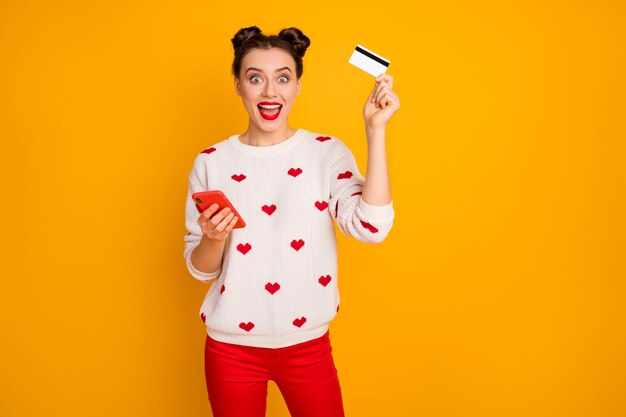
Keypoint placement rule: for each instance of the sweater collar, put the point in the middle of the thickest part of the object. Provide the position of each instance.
(267, 150)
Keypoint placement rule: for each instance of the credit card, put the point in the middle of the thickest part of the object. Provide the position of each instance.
(369, 61)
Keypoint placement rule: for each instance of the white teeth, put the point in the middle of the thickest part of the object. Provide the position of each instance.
(273, 106)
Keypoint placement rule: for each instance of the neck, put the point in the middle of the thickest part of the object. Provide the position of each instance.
(256, 137)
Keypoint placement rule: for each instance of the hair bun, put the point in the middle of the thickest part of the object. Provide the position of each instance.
(298, 40)
(243, 35)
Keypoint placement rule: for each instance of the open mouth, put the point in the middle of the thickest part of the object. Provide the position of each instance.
(269, 111)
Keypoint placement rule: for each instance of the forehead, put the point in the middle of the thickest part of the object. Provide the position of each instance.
(267, 59)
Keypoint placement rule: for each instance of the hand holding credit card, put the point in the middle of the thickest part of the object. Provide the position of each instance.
(369, 61)
(382, 102)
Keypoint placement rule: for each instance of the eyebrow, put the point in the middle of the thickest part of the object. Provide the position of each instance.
(259, 70)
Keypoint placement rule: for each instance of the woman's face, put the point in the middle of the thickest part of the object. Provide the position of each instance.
(268, 78)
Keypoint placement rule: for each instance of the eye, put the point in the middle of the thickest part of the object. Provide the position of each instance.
(252, 79)
(283, 77)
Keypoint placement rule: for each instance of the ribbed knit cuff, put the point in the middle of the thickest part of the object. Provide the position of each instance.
(376, 213)
(202, 276)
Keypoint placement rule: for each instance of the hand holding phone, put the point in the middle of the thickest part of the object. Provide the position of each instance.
(205, 199)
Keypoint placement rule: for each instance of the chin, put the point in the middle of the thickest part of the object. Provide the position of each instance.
(273, 128)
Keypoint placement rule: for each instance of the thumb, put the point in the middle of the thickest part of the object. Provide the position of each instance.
(369, 98)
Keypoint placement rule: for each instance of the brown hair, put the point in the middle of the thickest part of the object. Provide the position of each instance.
(292, 40)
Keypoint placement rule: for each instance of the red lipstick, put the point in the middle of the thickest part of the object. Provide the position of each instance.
(267, 109)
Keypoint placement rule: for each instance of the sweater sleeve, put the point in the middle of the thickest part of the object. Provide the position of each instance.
(196, 178)
(354, 217)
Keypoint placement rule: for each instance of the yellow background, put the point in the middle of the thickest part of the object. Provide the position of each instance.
(500, 290)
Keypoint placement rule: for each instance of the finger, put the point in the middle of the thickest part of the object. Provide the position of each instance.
(206, 228)
(389, 91)
(376, 91)
(381, 93)
(225, 211)
(381, 81)
(382, 85)
(383, 100)
(388, 100)
(215, 220)
(209, 211)
(379, 85)
(232, 224)
(222, 225)
(385, 77)
(372, 94)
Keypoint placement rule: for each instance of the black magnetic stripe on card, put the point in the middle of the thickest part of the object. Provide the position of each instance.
(371, 56)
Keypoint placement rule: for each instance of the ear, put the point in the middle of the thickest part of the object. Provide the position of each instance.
(298, 86)
(237, 86)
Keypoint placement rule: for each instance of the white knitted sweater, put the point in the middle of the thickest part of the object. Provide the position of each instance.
(277, 285)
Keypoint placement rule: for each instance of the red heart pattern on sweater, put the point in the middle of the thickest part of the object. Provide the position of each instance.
(297, 244)
(324, 280)
(369, 227)
(246, 326)
(269, 209)
(244, 248)
(272, 288)
(294, 172)
(321, 205)
(299, 322)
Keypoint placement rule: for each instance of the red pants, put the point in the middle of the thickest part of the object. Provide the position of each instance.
(237, 376)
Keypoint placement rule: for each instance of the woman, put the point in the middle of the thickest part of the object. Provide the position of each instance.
(274, 281)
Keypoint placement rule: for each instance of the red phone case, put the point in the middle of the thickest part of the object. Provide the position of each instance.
(204, 199)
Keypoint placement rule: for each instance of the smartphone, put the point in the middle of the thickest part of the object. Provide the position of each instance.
(204, 199)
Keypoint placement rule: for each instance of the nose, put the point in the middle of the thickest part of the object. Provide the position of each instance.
(269, 89)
